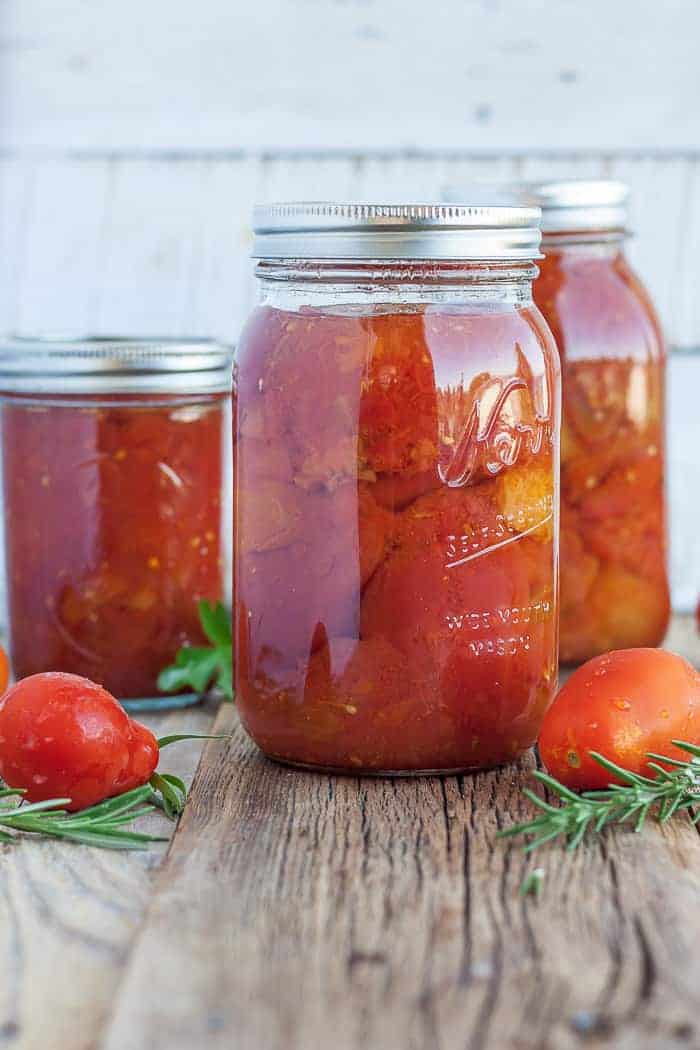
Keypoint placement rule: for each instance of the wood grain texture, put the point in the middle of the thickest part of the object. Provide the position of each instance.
(68, 916)
(300, 911)
(360, 74)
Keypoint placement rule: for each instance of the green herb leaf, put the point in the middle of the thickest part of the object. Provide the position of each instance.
(201, 667)
(216, 623)
(98, 825)
(102, 824)
(664, 794)
(171, 792)
(174, 738)
(532, 883)
(225, 681)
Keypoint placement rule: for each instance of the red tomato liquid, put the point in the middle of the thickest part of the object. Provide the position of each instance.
(112, 533)
(614, 586)
(396, 505)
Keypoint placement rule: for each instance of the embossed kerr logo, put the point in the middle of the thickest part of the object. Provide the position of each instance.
(500, 426)
(495, 433)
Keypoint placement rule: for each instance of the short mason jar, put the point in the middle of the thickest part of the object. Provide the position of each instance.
(396, 495)
(614, 582)
(115, 455)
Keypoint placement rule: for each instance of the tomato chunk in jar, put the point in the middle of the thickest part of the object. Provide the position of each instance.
(614, 584)
(113, 530)
(395, 529)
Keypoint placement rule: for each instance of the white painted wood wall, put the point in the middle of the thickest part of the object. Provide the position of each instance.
(160, 244)
(136, 135)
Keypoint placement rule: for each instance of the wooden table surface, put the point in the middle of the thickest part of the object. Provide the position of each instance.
(294, 911)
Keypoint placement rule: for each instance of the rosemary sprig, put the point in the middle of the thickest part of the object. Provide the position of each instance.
(100, 825)
(663, 794)
(170, 792)
(532, 883)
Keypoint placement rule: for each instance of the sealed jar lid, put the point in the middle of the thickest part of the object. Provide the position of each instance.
(325, 230)
(113, 364)
(578, 205)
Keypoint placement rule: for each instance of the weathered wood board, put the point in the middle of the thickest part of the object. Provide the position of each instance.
(302, 911)
(297, 911)
(69, 915)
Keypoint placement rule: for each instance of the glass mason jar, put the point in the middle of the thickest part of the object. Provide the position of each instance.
(614, 585)
(114, 456)
(396, 501)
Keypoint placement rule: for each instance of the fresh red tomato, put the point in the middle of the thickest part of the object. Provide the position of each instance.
(4, 670)
(62, 736)
(622, 704)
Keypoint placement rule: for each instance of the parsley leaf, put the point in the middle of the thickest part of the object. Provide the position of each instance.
(201, 667)
(216, 623)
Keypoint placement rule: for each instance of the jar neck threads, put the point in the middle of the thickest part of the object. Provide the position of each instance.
(401, 282)
(599, 242)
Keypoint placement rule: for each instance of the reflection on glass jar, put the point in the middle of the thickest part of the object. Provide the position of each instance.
(396, 495)
(614, 586)
(114, 485)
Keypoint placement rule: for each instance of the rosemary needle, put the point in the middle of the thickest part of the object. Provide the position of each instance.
(532, 883)
(99, 825)
(638, 797)
(102, 824)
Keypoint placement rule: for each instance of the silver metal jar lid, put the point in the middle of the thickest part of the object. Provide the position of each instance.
(325, 230)
(113, 364)
(578, 205)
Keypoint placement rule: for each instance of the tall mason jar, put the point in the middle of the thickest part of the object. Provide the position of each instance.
(396, 496)
(115, 462)
(614, 584)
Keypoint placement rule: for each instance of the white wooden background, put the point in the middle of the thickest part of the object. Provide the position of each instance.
(136, 135)
(352, 74)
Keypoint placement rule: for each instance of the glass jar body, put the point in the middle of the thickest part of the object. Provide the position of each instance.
(395, 525)
(114, 514)
(614, 586)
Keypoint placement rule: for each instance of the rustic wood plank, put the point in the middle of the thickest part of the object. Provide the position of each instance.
(68, 915)
(299, 911)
